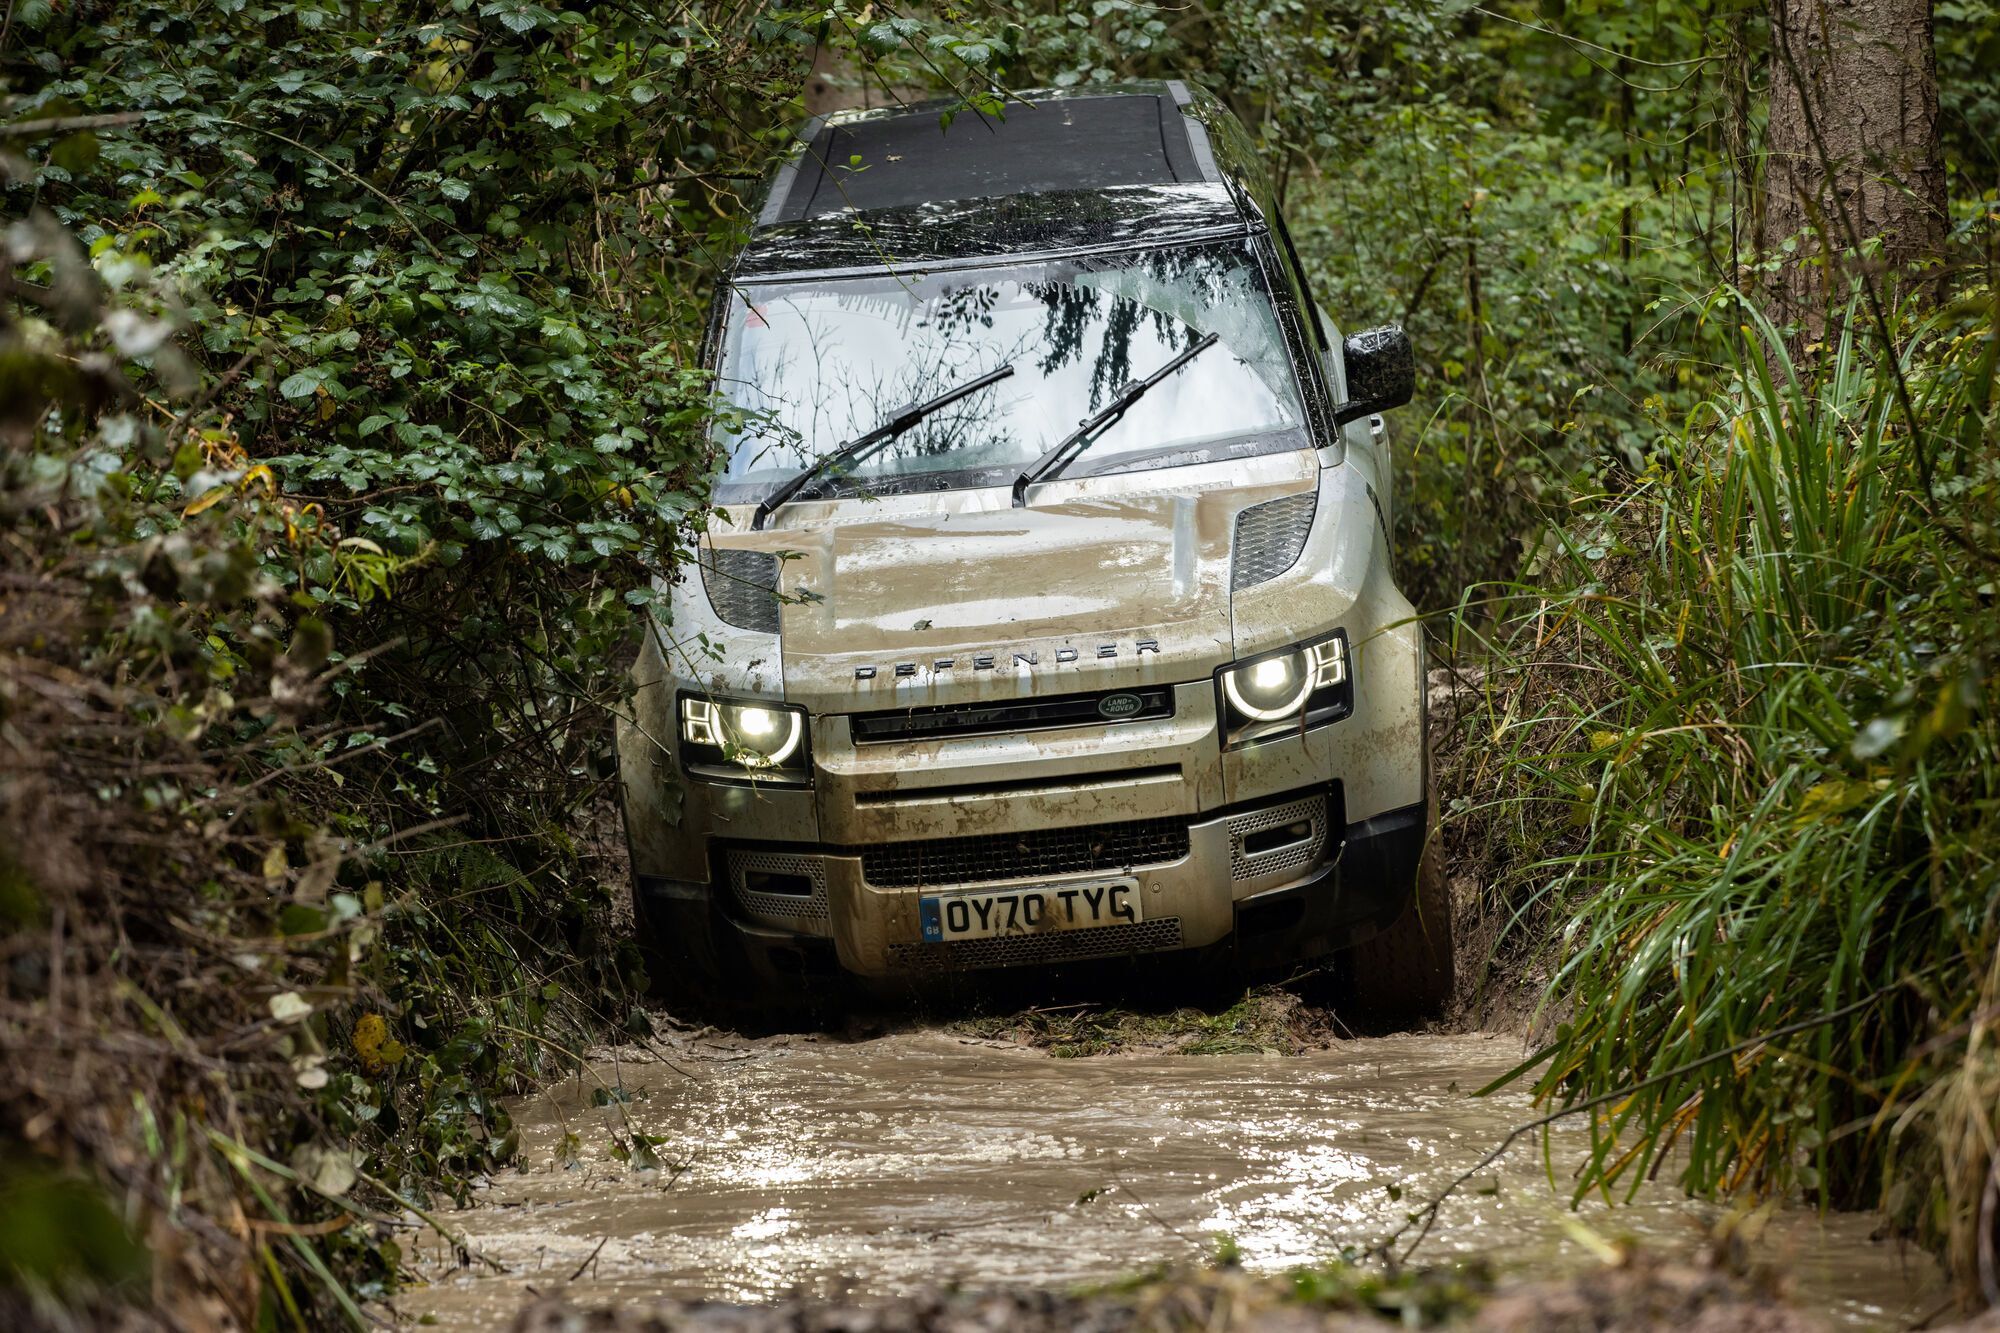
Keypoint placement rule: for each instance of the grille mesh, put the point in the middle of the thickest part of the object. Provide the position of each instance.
(1062, 946)
(990, 857)
(1269, 538)
(1292, 855)
(802, 911)
(742, 587)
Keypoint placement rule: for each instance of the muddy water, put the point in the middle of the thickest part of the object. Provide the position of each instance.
(826, 1168)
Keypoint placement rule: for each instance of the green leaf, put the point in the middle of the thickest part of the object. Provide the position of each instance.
(300, 919)
(76, 152)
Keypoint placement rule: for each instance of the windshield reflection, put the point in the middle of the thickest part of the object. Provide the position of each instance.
(818, 364)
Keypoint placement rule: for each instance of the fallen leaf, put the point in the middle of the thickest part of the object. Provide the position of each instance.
(289, 1006)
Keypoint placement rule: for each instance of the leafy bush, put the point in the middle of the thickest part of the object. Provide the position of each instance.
(1500, 255)
(169, 916)
(349, 399)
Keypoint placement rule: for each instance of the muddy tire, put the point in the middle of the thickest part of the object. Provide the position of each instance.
(1406, 973)
(682, 966)
(696, 970)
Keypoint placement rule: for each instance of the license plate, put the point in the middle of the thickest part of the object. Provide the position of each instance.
(1029, 911)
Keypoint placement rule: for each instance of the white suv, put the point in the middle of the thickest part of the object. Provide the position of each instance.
(1045, 612)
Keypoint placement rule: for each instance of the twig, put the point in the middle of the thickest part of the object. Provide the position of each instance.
(1147, 1208)
(591, 1260)
(38, 129)
(457, 1240)
(1989, 1214)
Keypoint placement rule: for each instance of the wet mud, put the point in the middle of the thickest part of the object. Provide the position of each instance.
(812, 1166)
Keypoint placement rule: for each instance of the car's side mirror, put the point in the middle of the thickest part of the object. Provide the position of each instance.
(1381, 372)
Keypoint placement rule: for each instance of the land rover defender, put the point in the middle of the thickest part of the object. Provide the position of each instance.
(1045, 610)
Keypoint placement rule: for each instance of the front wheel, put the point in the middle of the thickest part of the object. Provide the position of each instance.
(700, 970)
(1406, 973)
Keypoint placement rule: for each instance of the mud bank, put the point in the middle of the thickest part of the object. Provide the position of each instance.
(928, 1160)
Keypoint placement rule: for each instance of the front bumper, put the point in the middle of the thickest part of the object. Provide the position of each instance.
(1280, 882)
(1284, 850)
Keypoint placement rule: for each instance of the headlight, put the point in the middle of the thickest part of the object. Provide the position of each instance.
(723, 738)
(1280, 693)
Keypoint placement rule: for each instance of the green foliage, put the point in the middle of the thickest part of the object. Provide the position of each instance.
(153, 870)
(1744, 732)
(1968, 51)
(450, 257)
(1500, 254)
(351, 400)
(59, 1236)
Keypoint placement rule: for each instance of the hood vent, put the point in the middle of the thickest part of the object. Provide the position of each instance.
(742, 586)
(1269, 538)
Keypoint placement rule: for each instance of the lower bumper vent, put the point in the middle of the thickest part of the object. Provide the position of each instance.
(767, 884)
(1065, 946)
(1284, 837)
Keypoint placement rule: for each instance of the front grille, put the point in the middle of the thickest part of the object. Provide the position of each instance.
(1062, 946)
(996, 856)
(1068, 710)
(742, 586)
(1269, 538)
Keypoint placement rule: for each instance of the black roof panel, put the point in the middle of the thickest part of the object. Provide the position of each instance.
(983, 230)
(1061, 144)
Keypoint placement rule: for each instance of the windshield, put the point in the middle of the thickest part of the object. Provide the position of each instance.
(820, 363)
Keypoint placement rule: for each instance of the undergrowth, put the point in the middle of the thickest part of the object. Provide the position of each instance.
(1738, 742)
(256, 1017)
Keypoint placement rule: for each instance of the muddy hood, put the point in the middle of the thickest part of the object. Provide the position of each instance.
(942, 608)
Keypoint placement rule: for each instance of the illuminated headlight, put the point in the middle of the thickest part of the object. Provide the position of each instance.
(1280, 693)
(727, 739)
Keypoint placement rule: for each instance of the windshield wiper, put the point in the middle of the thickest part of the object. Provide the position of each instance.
(861, 445)
(1051, 464)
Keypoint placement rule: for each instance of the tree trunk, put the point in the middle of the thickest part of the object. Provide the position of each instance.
(1746, 194)
(1853, 149)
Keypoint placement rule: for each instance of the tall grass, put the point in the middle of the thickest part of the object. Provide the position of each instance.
(1740, 739)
